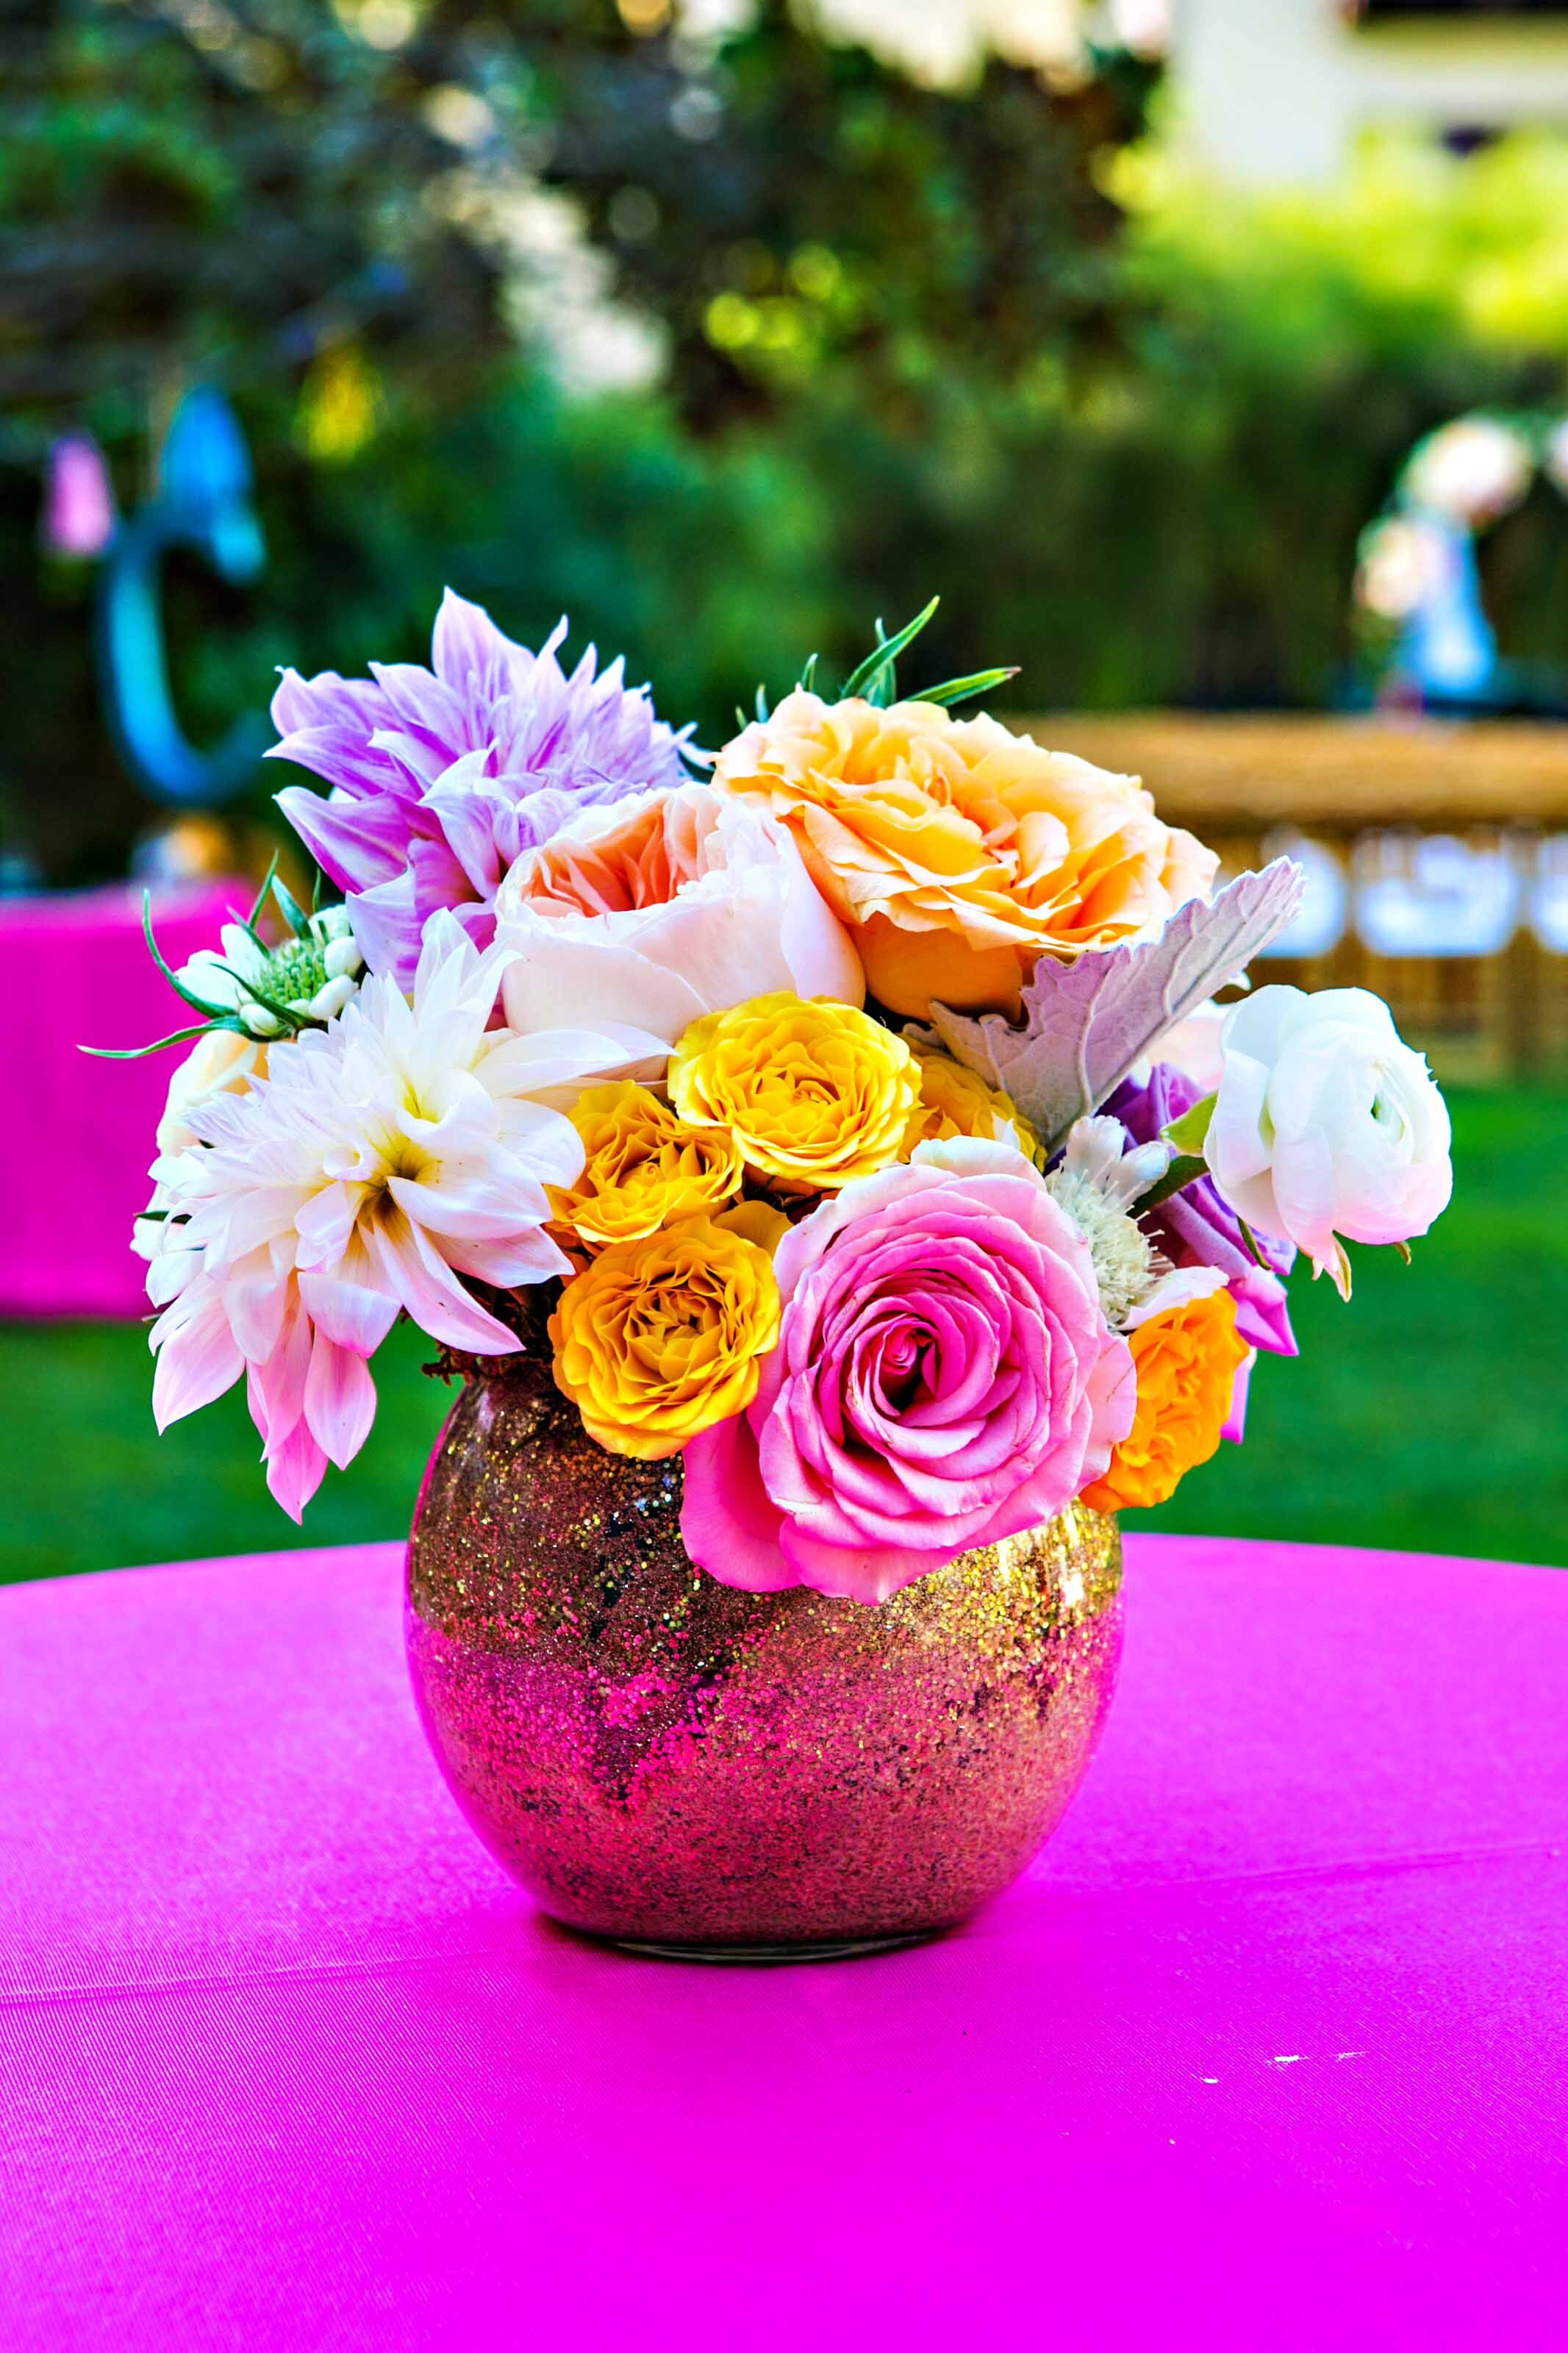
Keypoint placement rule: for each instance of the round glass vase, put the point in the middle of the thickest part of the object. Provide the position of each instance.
(673, 1765)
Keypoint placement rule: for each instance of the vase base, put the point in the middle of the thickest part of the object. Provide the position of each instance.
(835, 1948)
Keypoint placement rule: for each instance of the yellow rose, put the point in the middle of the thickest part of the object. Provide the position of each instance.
(661, 1337)
(813, 1093)
(643, 1169)
(955, 1101)
(957, 852)
(755, 1221)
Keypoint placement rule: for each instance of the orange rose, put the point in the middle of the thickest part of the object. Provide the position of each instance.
(1186, 1362)
(956, 852)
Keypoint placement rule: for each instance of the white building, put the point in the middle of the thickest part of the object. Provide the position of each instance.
(1276, 91)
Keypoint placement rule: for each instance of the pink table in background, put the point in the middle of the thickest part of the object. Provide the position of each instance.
(1271, 2049)
(74, 970)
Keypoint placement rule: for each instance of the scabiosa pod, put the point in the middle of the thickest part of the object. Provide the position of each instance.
(1099, 1181)
(260, 991)
(267, 992)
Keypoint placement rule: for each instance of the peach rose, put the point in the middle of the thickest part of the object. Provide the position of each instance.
(956, 852)
(663, 907)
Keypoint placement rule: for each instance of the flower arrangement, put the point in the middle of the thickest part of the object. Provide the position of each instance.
(847, 1113)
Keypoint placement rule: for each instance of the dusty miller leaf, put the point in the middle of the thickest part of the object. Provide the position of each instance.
(1088, 1023)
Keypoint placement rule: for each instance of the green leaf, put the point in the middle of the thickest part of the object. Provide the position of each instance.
(1191, 1131)
(1404, 1249)
(762, 704)
(186, 996)
(1185, 1169)
(962, 689)
(807, 679)
(289, 907)
(1251, 1239)
(266, 881)
(134, 1053)
(886, 652)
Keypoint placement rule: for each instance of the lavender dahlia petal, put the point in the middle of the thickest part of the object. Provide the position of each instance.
(1196, 1227)
(439, 778)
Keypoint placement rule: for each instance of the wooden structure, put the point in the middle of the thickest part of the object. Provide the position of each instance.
(1233, 778)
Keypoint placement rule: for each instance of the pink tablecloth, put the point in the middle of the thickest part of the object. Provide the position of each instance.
(1270, 2052)
(74, 970)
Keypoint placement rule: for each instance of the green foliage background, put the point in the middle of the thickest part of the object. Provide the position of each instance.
(987, 341)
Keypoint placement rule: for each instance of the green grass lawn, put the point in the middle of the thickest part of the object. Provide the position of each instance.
(1431, 1415)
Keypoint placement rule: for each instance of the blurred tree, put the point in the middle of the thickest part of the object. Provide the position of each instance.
(814, 209)
(375, 222)
(723, 341)
(233, 189)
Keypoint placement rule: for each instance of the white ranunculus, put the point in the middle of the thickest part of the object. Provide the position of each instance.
(1325, 1123)
(663, 907)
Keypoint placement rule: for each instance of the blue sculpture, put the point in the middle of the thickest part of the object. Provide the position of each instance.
(204, 502)
(1418, 569)
(1446, 643)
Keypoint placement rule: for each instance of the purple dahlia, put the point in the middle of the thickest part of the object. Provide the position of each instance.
(441, 777)
(1196, 1227)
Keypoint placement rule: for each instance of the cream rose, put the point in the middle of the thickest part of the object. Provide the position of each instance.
(1325, 1123)
(222, 1062)
(664, 907)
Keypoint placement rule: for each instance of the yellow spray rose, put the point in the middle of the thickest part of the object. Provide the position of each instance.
(955, 1101)
(813, 1093)
(956, 852)
(755, 1221)
(642, 1167)
(661, 1337)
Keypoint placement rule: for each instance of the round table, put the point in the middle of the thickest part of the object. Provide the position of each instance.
(1270, 2051)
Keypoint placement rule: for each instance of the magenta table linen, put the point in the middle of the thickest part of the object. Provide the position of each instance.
(1270, 2052)
(74, 970)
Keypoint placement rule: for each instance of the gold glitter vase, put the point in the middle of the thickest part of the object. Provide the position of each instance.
(679, 1766)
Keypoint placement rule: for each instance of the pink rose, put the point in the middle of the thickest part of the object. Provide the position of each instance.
(944, 1377)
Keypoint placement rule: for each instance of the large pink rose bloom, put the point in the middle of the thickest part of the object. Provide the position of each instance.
(944, 1377)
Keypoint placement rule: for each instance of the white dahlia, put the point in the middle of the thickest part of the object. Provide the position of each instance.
(380, 1161)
